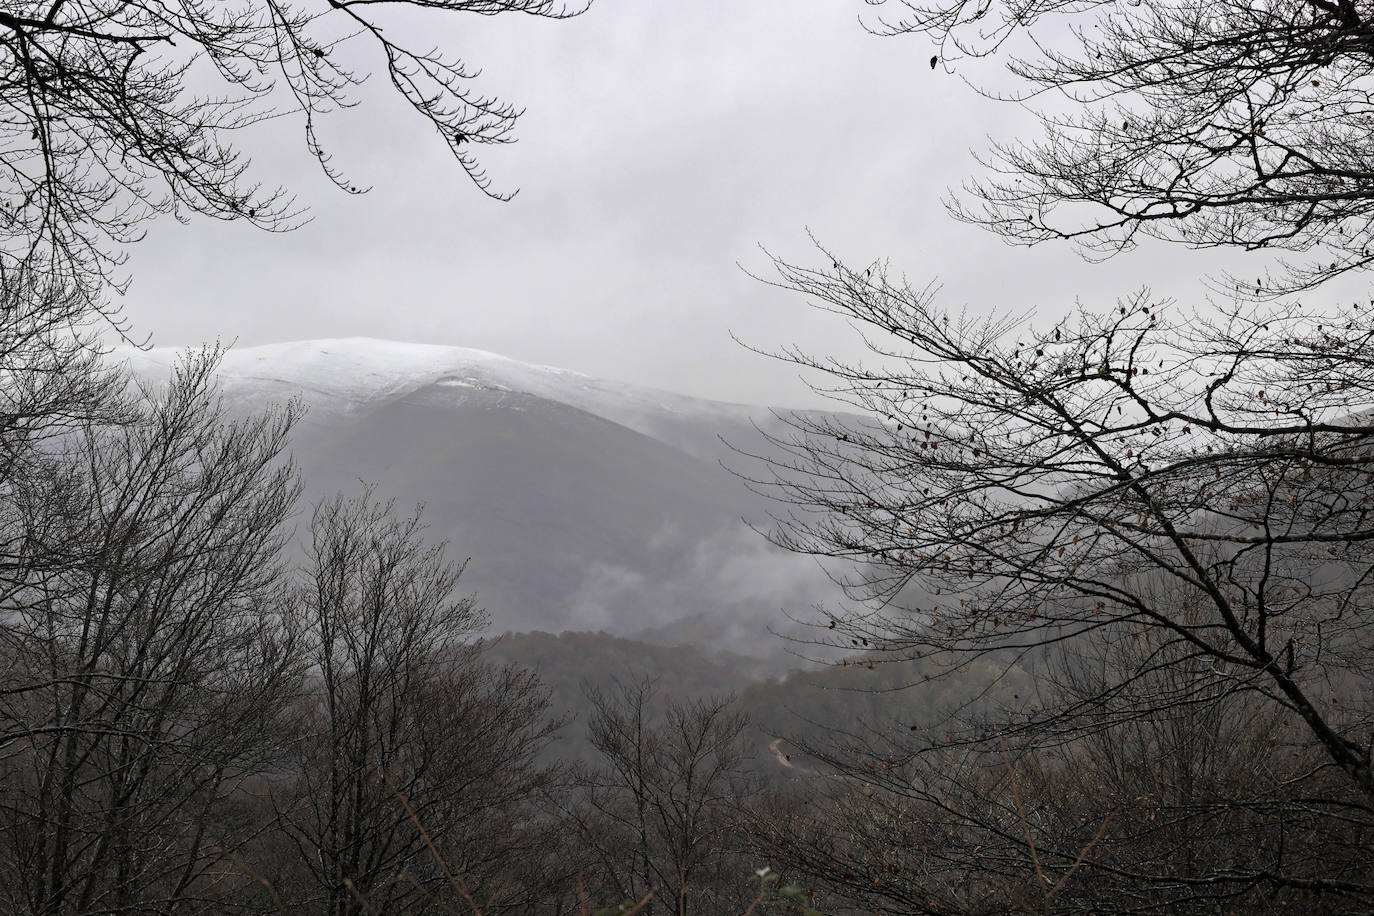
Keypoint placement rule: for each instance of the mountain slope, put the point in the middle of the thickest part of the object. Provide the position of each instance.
(346, 377)
(584, 504)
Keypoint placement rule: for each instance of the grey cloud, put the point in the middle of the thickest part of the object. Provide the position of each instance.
(662, 142)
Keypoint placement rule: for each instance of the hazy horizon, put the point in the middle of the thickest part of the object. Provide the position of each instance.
(662, 145)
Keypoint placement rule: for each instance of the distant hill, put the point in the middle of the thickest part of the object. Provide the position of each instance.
(584, 504)
(806, 705)
(568, 662)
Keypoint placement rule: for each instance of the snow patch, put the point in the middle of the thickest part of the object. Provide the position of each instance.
(349, 375)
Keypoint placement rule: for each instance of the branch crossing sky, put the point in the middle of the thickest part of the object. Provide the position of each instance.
(663, 143)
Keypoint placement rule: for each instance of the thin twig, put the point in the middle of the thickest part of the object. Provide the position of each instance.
(424, 834)
(754, 905)
(1082, 854)
(1025, 826)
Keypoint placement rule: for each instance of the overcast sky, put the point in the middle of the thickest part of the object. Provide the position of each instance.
(663, 143)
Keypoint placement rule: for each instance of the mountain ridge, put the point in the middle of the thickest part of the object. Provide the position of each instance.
(352, 374)
(585, 504)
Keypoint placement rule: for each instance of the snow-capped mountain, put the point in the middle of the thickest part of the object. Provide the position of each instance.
(584, 503)
(347, 377)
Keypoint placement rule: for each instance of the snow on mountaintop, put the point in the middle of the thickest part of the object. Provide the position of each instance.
(354, 371)
(350, 375)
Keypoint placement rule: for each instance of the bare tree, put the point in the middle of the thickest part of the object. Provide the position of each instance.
(1207, 802)
(661, 813)
(1216, 799)
(51, 378)
(1230, 123)
(145, 660)
(1202, 486)
(1164, 519)
(105, 123)
(418, 771)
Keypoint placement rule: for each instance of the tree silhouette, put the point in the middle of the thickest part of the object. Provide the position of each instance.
(148, 658)
(1197, 486)
(107, 122)
(411, 746)
(1214, 124)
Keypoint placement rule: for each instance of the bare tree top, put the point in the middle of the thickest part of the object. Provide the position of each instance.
(1214, 124)
(101, 128)
(1199, 482)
